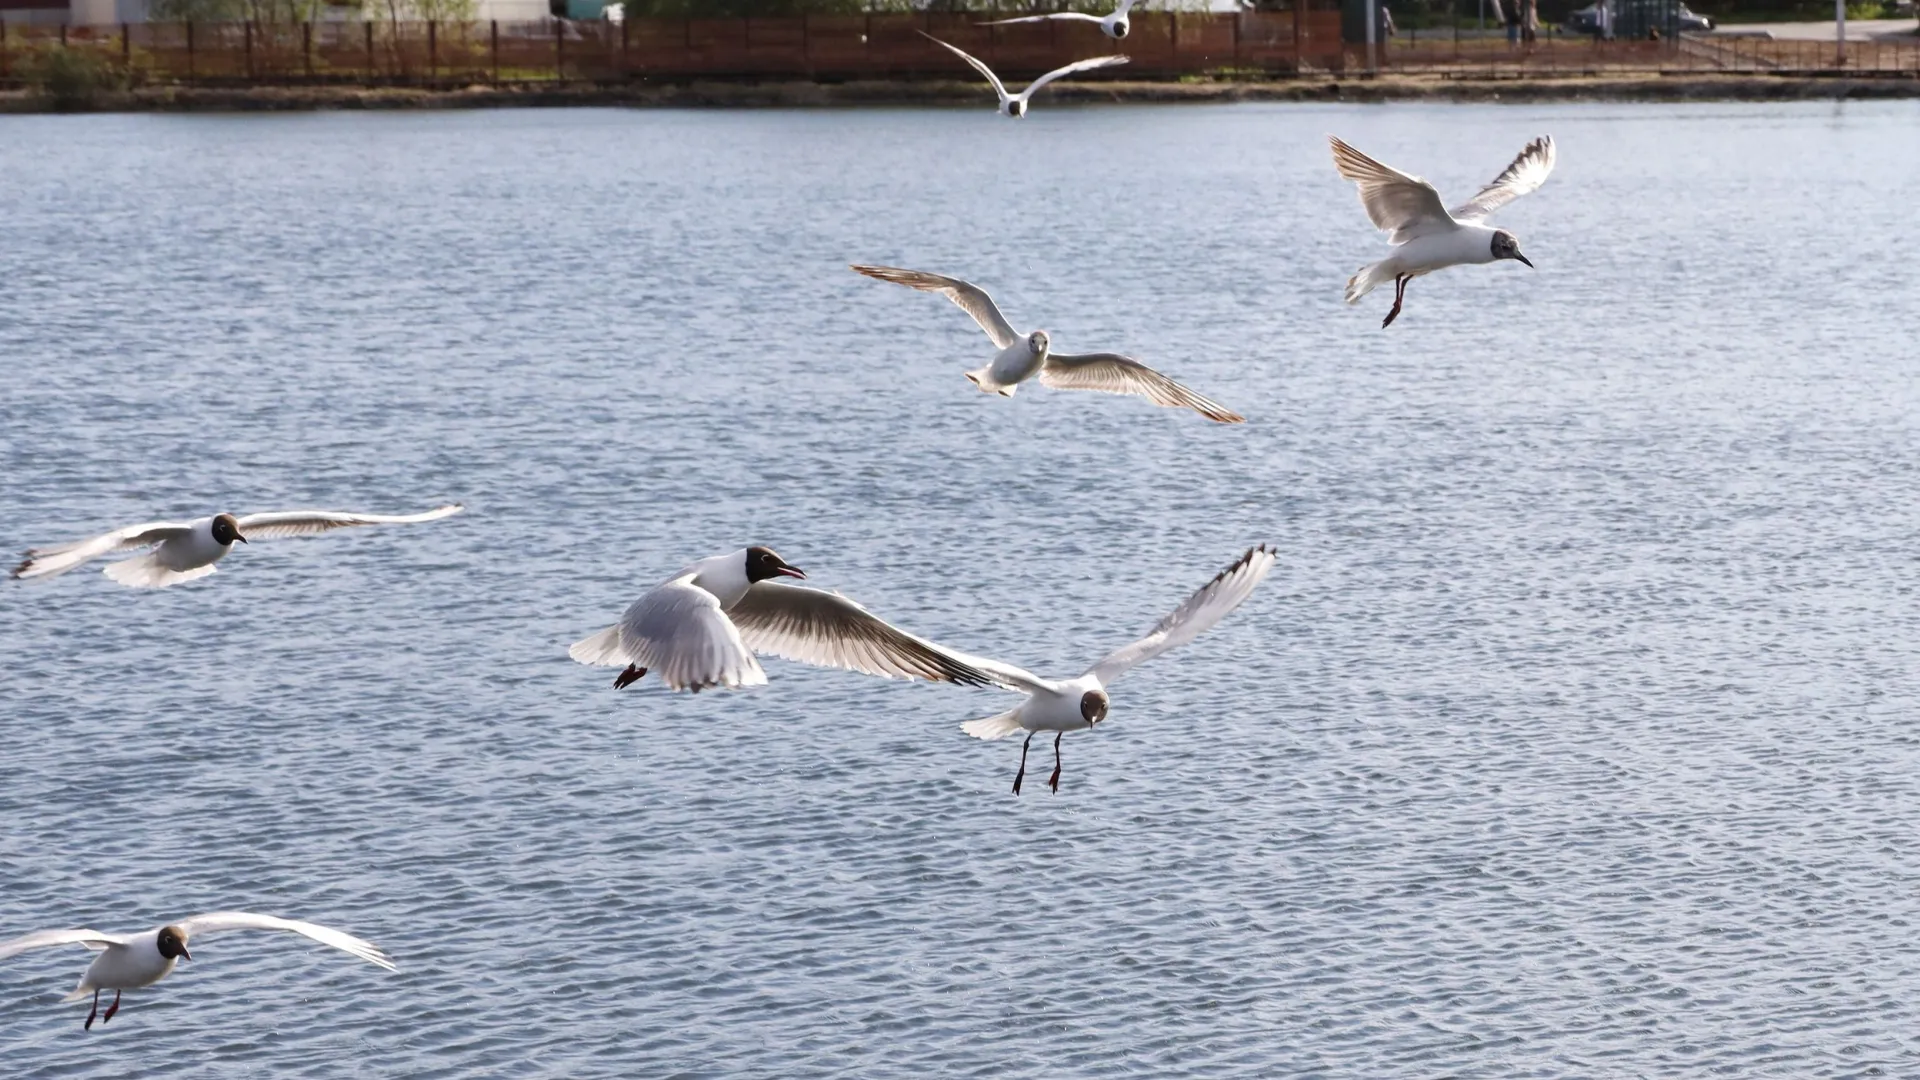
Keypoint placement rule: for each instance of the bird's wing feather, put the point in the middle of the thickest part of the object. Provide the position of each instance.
(678, 630)
(1115, 374)
(826, 629)
(308, 522)
(40, 939)
(1204, 608)
(969, 297)
(983, 69)
(1073, 15)
(1071, 69)
(60, 558)
(1399, 205)
(1526, 174)
(221, 921)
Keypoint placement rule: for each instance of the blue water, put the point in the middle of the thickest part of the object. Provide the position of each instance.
(1576, 733)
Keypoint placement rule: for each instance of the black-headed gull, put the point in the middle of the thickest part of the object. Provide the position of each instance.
(185, 550)
(1114, 24)
(1022, 357)
(1428, 235)
(128, 962)
(1015, 105)
(701, 627)
(1078, 704)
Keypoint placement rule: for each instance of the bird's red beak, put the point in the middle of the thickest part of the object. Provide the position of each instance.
(792, 571)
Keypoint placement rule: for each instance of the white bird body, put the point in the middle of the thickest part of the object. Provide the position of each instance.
(183, 551)
(1079, 703)
(131, 961)
(127, 964)
(1012, 365)
(700, 629)
(1425, 234)
(1022, 357)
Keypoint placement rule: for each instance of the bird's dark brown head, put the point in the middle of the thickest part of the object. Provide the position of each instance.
(762, 564)
(226, 529)
(1093, 706)
(1507, 246)
(1120, 28)
(172, 942)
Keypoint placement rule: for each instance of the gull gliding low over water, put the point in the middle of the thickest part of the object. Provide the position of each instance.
(1114, 24)
(701, 627)
(185, 550)
(1015, 105)
(128, 962)
(1080, 703)
(1021, 358)
(1427, 235)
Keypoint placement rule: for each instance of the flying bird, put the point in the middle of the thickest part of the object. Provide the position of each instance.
(701, 627)
(1427, 235)
(1022, 357)
(1114, 24)
(128, 962)
(185, 550)
(1080, 703)
(1015, 105)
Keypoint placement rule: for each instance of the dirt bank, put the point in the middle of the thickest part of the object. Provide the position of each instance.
(776, 94)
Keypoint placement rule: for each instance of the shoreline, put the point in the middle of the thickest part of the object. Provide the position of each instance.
(799, 94)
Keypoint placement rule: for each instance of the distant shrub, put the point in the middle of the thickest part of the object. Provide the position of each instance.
(73, 78)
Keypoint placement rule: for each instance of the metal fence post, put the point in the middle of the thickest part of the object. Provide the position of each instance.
(494, 33)
(560, 50)
(249, 48)
(189, 51)
(63, 35)
(126, 48)
(626, 63)
(6, 68)
(306, 47)
(433, 50)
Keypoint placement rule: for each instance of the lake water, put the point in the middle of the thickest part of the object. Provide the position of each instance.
(1576, 733)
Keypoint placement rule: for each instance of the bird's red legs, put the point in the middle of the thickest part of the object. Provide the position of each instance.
(1399, 295)
(93, 1012)
(111, 1009)
(633, 674)
(1054, 780)
(1022, 774)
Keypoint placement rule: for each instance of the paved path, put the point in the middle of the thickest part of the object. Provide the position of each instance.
(1857, 29)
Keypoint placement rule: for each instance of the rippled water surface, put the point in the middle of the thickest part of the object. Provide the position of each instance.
(1576, 733)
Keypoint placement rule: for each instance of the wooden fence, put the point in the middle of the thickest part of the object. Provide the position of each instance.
(888, 46)
(1557, 54)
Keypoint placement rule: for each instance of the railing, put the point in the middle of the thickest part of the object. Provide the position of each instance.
(1161, 45)
(1468, 55)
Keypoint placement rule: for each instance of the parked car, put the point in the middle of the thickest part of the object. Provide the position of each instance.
(1587, 19)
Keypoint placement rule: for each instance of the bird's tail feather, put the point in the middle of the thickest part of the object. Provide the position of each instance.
(983, 378)
(602, 649)
(1370, 277)
(994, 727)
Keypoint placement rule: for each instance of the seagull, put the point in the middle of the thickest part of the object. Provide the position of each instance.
(1080, 703)
(184, 550)
(1015, 105)
(701, 627)
(1429, 236)
(1021, 358)
(1114, 24)
(131, 961)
